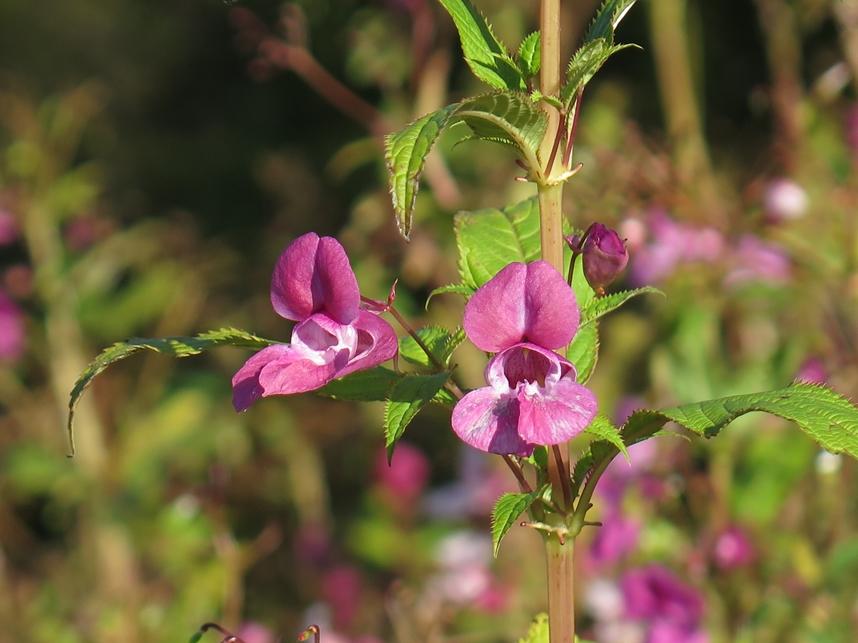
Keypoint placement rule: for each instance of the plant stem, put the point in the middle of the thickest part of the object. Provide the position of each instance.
(561, 610)
(561, 582)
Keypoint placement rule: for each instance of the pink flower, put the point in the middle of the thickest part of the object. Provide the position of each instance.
(614, 540)
(12, 332)
(755, 260)
(813, 371)
(732, 549)
(255, 633)
(604, 255)
(406, 476)
(671, 609)
(522, 313)
(784, 200)
(314, 284)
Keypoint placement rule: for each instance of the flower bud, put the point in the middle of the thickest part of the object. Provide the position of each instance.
(605, 256)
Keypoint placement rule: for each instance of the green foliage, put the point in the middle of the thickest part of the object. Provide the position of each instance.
(529, 55)
(510, 118)
(490, 239)
(583, 351)
(440, 342)
(607, 18)
(487, 57)
(458, 289)
(538, 632)
(405, 153)
(585, 63)
(603, 305)
(603, 429)
(174, 346)
(372, 385)
(506, 511)
(407, 398)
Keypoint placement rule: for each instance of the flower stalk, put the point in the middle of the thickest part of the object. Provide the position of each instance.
(559, 557)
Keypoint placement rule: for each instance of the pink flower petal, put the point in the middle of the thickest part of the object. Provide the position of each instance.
(526, 362)
(277, 370)
(529, 302)
(555, 415)
(376, 343)
(314, 275)
(488, 421)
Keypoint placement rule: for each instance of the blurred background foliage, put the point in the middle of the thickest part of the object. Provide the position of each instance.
(155, 158)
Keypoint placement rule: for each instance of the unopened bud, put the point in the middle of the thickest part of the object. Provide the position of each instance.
(604, 255)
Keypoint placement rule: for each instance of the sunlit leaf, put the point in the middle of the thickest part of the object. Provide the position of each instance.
(505, 513)
(407, 398)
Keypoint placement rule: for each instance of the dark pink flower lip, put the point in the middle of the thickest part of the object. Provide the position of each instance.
(314, 284)
(532, 399)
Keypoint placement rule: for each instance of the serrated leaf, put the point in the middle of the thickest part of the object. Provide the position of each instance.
(603, 429)
(827, 417)
(538, 632)
(174, 346)
(372, 385)
(490, 239)
(506, 511)
(583, 352)
(407, 398)
(529, 55)
(588, 60)
(607, 18)
(405, 154)
(445, 398)
(458, 289)
(440, 341)
(487, 57)
(507, 117)
(603, 305)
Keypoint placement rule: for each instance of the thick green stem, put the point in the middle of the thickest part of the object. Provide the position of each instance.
(561, 614)
(561, 582)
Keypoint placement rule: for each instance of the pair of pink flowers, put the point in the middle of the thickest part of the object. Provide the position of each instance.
(522, 314)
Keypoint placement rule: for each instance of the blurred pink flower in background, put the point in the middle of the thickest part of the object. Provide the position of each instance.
(464, 576)
(405, 478)
(475, 491)
(614, 540)
(622, 474)
(812, 371)
(670, 609)
(12, 331)
(83, 231)
(8, 228)
(666, 245)
(755, 260)
(732, 549)
(784, 200)
(255, 633)
(18, 281)
(341, 589)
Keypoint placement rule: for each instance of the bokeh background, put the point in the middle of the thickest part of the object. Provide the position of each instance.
(155, 157)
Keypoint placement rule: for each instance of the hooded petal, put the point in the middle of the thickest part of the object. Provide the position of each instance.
(488, 421)
(279, 370)
(376, 343)
(522, 302)
(555, 414)
(313, 275)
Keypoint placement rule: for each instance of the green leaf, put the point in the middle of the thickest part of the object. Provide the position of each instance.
(827, 417)
(583, 352)
(196, 637)
(585, 296)
(603, 429)
(529, 55)
(490, 239)
(607, 18)
(175, 346)
(507, 117)
(507, 510)
(485, 54)
(407, 398)
(604, 305)
(585, 63)
(405, 153)
(538, 632)
(459, 289)
(372, 385)
(440, 341)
